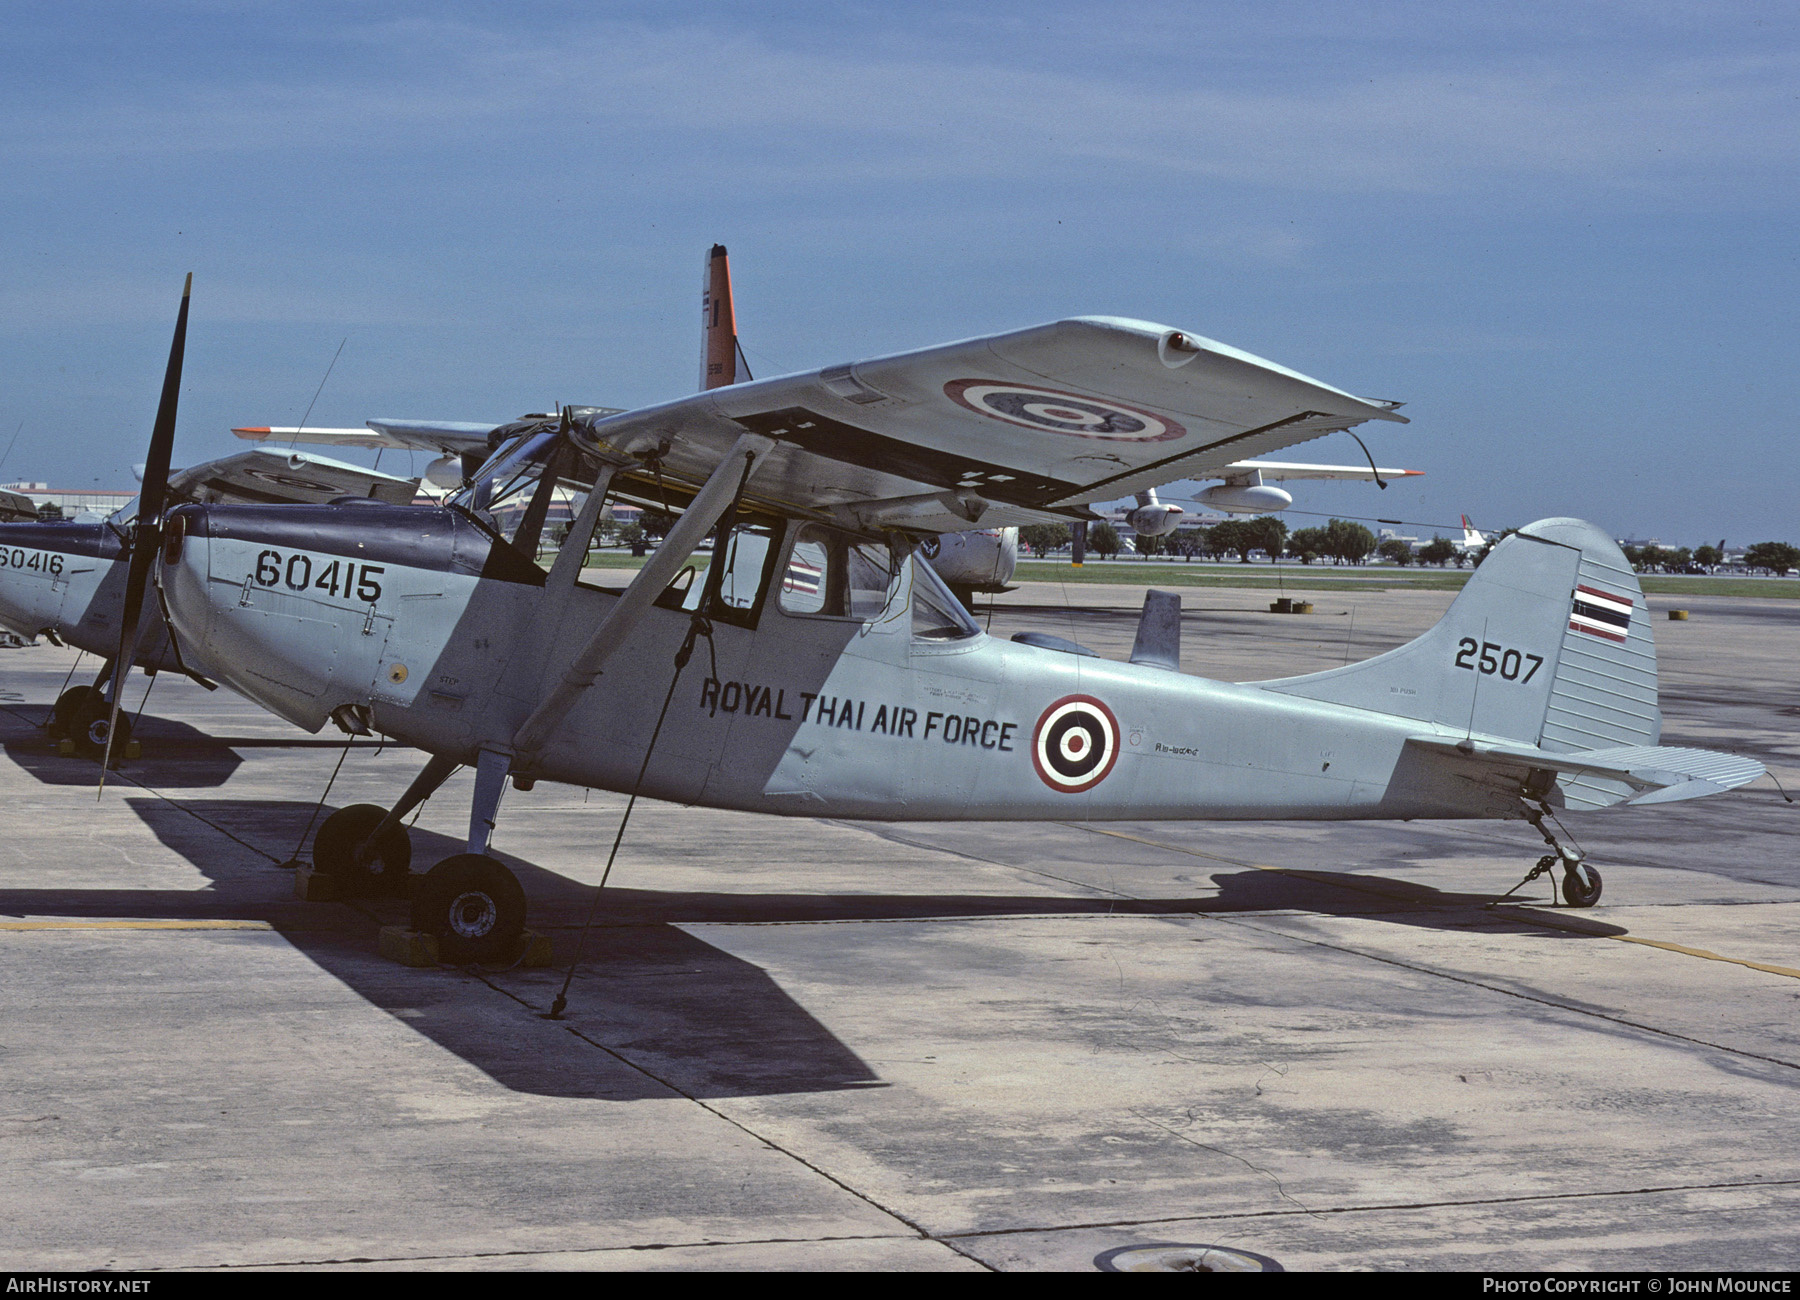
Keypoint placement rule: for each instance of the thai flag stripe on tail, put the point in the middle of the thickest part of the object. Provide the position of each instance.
(1599, 614)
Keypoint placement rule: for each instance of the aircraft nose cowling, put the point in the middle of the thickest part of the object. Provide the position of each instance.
(183, 574)
(291, 605)
(38, 563)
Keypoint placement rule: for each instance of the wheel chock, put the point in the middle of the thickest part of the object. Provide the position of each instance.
(314, 886)
(408, 946)
(412, 947)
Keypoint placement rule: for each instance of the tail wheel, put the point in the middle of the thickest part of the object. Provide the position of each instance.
(1581, 885)
(475, 907)
(385, 865)
(62, 714)
(91, 725)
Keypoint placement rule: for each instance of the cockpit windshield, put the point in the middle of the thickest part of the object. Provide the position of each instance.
(529, 492)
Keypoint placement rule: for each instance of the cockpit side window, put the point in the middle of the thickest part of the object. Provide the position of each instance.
(738, 571)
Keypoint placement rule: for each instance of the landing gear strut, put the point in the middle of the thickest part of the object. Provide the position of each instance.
(1580, 883)
(472, 903)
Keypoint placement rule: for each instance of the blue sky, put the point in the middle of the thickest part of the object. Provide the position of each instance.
(1564, 234)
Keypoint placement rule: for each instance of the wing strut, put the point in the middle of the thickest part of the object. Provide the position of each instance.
(722, 487)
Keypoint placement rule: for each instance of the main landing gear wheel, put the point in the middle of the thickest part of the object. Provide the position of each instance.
(1581, 884)
(387, 863)
(475, 907)
(91, 724)
(62, 714)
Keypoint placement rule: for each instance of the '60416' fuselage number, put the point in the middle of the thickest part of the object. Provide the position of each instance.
(43, 561)
(298, 571)
(1492, 659)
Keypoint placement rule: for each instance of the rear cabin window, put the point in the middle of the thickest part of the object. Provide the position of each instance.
(834, 575)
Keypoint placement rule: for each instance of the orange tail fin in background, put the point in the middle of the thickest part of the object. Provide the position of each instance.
(718, 323)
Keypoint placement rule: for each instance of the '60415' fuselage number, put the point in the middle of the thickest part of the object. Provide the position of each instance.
(301, 572)
(1491, 659)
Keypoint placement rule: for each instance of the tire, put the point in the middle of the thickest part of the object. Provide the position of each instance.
(334, 852)
(1581, 885)
(62, 714)
(90, 724)
(475, 907)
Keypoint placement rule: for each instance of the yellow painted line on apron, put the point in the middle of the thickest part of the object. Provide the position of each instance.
(1683, 949)
(135, 925)
(1789, 971)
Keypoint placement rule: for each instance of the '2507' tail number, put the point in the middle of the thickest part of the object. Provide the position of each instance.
(1490, 657)
(343, 578)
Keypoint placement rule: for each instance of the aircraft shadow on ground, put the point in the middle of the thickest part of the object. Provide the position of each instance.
(1398, 902)
(681, 1011)
(176, 756)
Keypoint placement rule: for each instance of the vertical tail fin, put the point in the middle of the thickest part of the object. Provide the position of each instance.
(718, 323)
(1549, 643)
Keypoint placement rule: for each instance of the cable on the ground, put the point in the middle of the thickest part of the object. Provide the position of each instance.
(699, 625)
(344, 753)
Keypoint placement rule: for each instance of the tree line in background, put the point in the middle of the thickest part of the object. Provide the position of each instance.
(1341, 541)
(1344, 541)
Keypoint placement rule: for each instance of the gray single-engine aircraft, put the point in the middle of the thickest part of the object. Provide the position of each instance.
(840, 678)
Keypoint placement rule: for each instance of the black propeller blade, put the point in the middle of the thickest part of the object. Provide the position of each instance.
(147, 536)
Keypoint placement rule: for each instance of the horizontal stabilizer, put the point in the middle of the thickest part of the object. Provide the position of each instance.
(1651, 773)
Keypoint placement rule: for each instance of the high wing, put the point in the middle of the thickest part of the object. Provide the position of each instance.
(265, 475)
(1276, 470)
(16, 506)
(1008, 429)
(445, 437)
